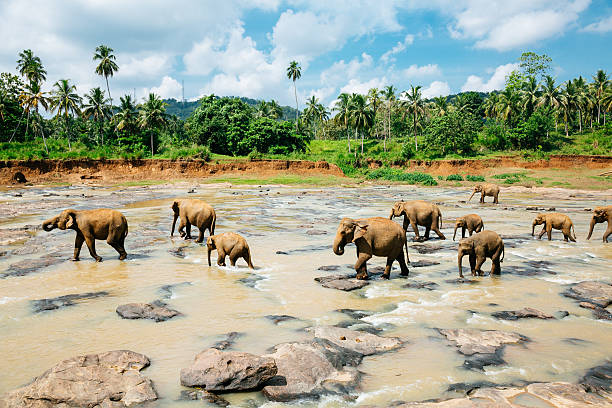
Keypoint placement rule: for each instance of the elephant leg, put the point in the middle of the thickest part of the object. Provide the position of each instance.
(496, 267)
(495, 201)
(201, 234)
(220, 257)
(121, 245)
(360, 265)
(549, 231)
(482, 196)
(480, 259)
(437, 231)
(473, 264)
(607, 233)
(542, 232)
(415, 227)
(91, 245)
(188, 230)
(427, 230)
(387, 273)
(78, 243)
(235, 253)
(181, 228)
(567, 233)
(117, 243)
(402, 262)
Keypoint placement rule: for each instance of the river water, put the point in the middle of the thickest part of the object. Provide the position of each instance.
(301, 223)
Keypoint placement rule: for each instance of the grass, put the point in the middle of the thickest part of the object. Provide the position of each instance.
(454, 177)
(385, 173)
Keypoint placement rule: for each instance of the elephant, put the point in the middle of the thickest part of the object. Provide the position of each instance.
(193, 212)
(373, 236)
(482, 245)
(229, 243)
(602, 214)
(419, 212)
(472, 222)
(90, 225)
(485, 190)
(557, 221)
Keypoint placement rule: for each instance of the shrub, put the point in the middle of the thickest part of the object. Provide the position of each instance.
(454, 132)
(494, 136)
(469, 177)
(385, 173)
(407, 151)
(454, 177)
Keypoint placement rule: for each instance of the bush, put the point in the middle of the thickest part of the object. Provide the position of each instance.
(385, 173)
(407, 151)
(454, 177)
(469, 177)
(532, 133)
(454, 132)
(494, 136)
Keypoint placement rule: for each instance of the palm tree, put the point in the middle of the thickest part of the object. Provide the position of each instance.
(30, 67)
(607, 101)
(323, 115)
(389, 95)
(508, 105)
(107, 66)
(550, 95)
(311, 112)
(581, 97)
(490, 105)
(97, 108)
(294, 72)
(440, 104)
(64, 99)
(127, 115)
(601, 82)
(152, 115)
(262, 110)
(30, 99)
(569, 100)
(342, 106)
(276, 112)
(530, 93)
(414, 105)
(361, 116)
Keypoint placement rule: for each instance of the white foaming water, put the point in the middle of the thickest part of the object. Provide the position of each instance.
(504, 372)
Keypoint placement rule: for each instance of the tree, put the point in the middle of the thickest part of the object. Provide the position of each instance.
(389, 96)
(126, 119)
(30, 67)
(550, 96)
(508, 104)
(107, 66)
(568, 103)
(531, 94)
(152, 116)
(275, 110)
(453, 132)
(311, 114)
(374, 103)
(440, 105)
(490, 105)
(323, 115)
(294, 72)
(30, 99)
(533, 64)
(361, 116)
(342, 106)
(96, 108)
(581, 97)
(64, 99)
(415, 106)
(600, 83)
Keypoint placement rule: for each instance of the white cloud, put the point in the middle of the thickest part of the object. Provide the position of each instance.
(341, 70)
(602, 26)
(150, 66)
(399, 47)
(356, 86)
(436, 88)
(169, 88)
(496, 82)
(415, 71)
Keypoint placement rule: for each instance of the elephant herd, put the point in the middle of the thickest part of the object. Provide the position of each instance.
(376, 236)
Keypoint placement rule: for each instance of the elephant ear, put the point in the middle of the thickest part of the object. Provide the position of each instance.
(360, 231)
(70, 219)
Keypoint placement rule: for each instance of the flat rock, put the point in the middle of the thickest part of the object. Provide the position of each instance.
(251, 280)
(423, 263)
(524, 313)
(216, 370)
(472, 341)
(157, 311)
(42, 305)
(420, 285)
(311, 369)
(203, 395)
(228, 341)
(354, 314)
(28, 266)
(598, 312)
(316, 232)
(328, 268)
(110, 379)
(599, 378)
(167, 291)
(357, 341)
(276, 319)
(461, 281)
(597, 293)
(341, 282)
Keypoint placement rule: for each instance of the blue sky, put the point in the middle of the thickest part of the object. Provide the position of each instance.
(242, 47)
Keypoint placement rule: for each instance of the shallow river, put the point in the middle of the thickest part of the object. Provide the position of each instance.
(300, 222)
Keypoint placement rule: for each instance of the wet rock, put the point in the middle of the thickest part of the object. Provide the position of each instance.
(178, 252)
(42, 305)
(203, 395)
(424, 249)
(28, 266)
(465, 388)
(216, 370)
(599, 378)
(228, 341)
(167, 291)
(316, 232)
(110, 379)
(531, 268)
(460, 281)
(311, 369)
(598, 312)
(359, 342)
(562, 314)
(575, 341)
(472, 341)
(422, 263)
(597, 293)
(420, 285)
(328, 268)
(157, 311)
(524, 313)
(479, 361)
(354, 314)
(341, 282)
(251, 280)
(276, 319)
(309, 248)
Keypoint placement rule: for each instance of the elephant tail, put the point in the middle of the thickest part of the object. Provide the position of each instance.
(503, 253)
(573, 231)
(248, 259)
(440, 218)
(406, 245)
(126, 231)
(212, 225)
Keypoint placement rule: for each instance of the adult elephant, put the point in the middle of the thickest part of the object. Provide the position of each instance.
(557, 221)
(375, 236)
(485, 244)
(419, 212)
(602, 214)
(486, 190)
(471, 222)
(90, 225)
(193, 212)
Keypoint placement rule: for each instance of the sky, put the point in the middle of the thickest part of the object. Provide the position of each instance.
(243, 47)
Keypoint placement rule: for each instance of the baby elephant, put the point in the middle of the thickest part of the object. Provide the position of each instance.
(487, 189)
(90, 225)
(231, 244)
(485, 244)
(602, 214)
(193, 212)
(557, 221)
(472, 222)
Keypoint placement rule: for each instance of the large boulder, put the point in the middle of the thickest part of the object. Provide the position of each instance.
(357, 341)
(473, 341)
(216, 370)
(341, 282)
(109, 379)
(524, 313)
(157, 311)
(597, 293)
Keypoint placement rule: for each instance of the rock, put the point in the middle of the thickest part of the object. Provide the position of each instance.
(179, 252)
(597, 293)
(531, 268)
(19, 178)
(228, 341)
(420, 285)
(309, 248)
(308, 370)
(276, 319)
(354, 314)
(28, 266)
(216, 370)
(599, 378)
(157, 311)
(532, 208)
(316, 232)
(598, 312)
(524, 313)
(328, 268)
(479, 361)
(359, 342)
(461, 281)
(472, 341)
(110, 379)
(167, 291)
(202, 395)
(42, 305)
(576, 341)
(341, 282)
(425, 249)
(251, 280)
(422, 263)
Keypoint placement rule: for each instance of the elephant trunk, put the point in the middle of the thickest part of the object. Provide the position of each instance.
(173, 224)
(472, 195)
(338, 245)
(392, 215)
(209, 251)
(456, 226)
(533, 228)
(459, 259)
(50, 224)
(593, 222)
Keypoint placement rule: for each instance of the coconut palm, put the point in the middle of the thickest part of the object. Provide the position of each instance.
(530, 94)
(96, 107)
(152, 115)
(31, 98)
(389, 96)
(30, 67)
(581, 98)
(550, 95)
(294, 72)
(276, 112)
(374, 102)
(440, 105)
(262, 110)
(107, 66)
(508, 105)
(323, 115)
(362, 117)
(311, 113)
(490, 105)
(127, 115)
(65, 102)
(601, 83)
(414, 106)
(569, 100)
(343, 116)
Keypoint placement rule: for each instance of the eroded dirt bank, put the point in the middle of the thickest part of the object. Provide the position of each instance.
(156, 169)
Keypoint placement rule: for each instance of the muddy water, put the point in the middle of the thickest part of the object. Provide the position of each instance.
(215, 301)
